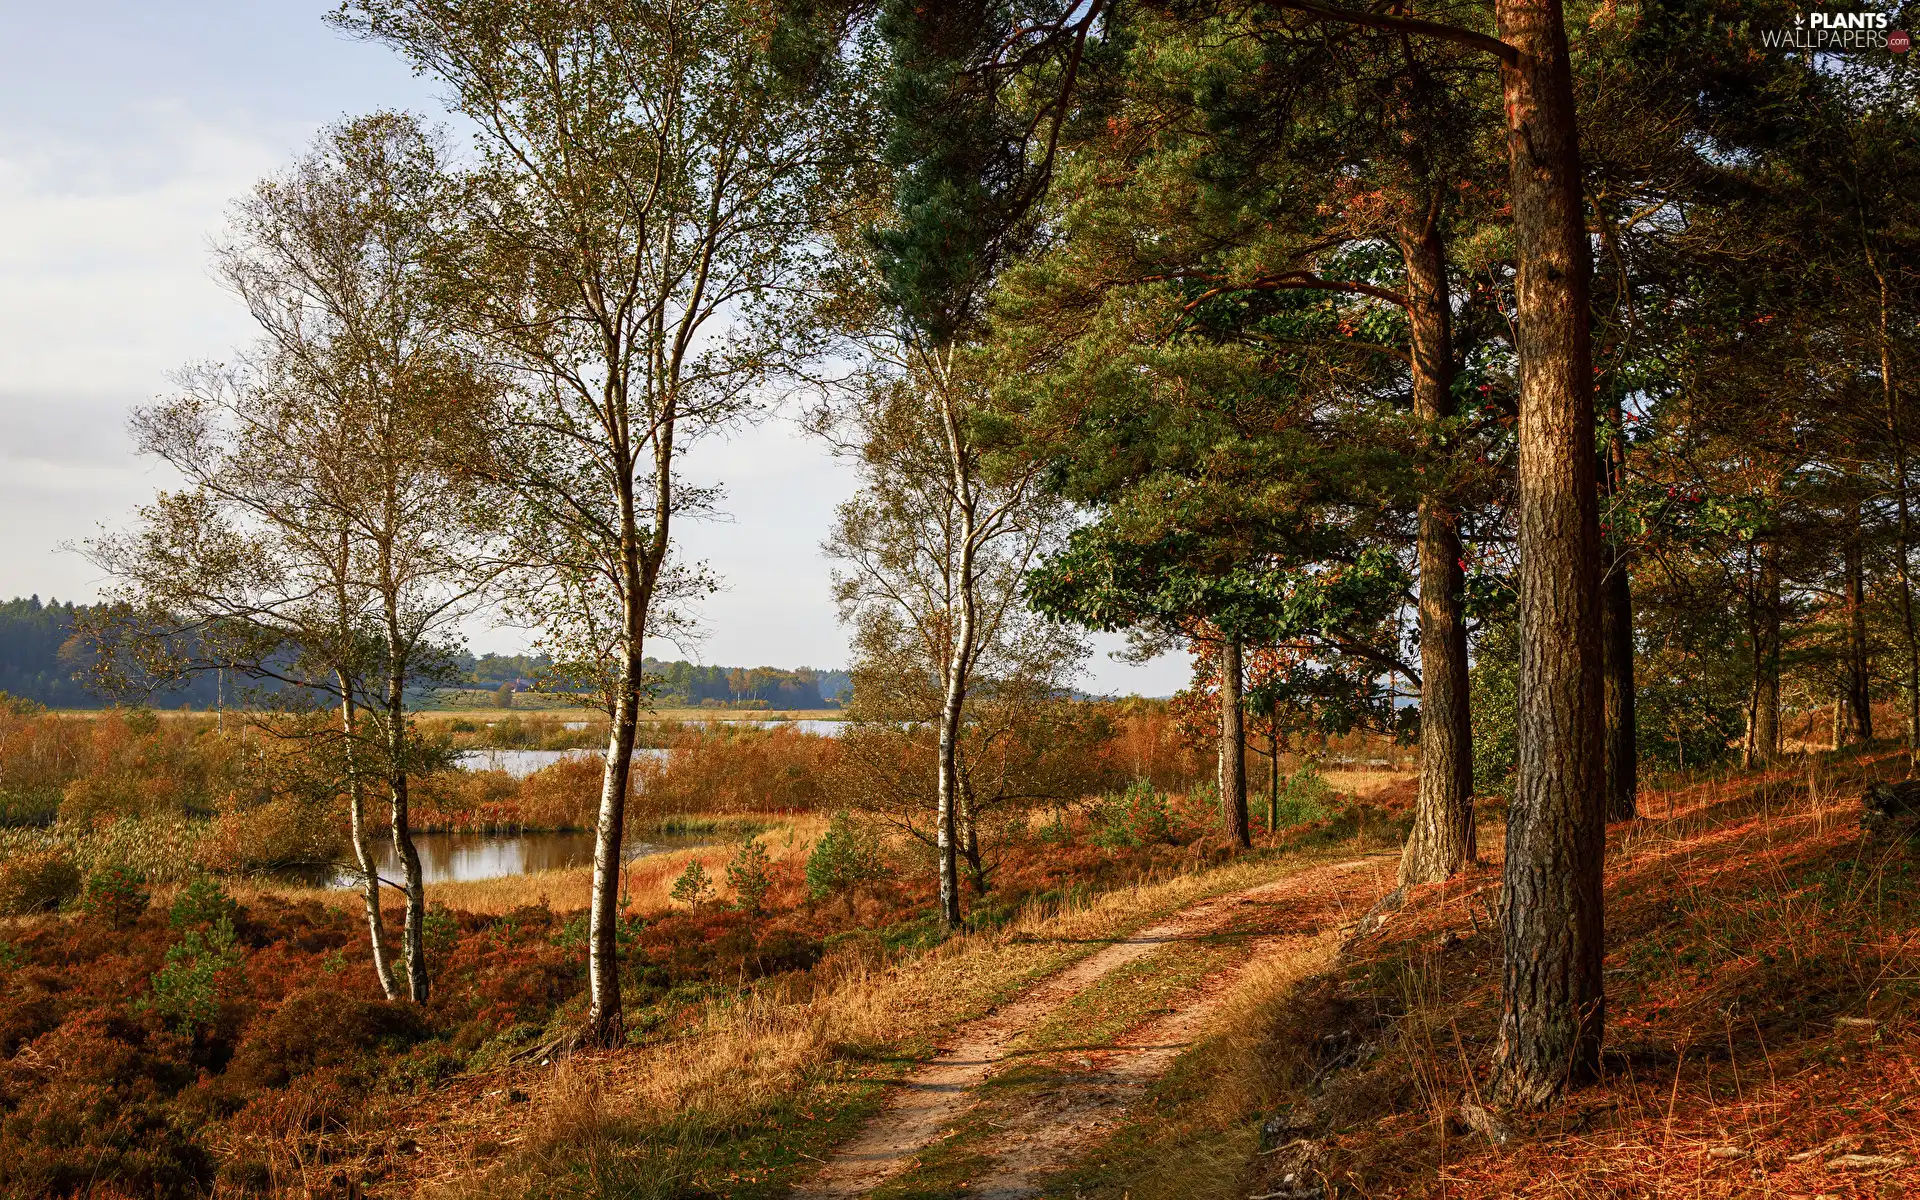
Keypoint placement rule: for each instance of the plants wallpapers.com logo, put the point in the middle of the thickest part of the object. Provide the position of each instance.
(1838, 32)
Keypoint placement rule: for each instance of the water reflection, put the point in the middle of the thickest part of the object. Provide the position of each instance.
(461, 857)
(522, 763)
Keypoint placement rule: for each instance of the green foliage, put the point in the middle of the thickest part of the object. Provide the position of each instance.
(202, 904)
(36, 882)
(20, 706)
(1494, 690)
(845, 857)
(1304, 796)
(186, 992)
(1135, 817)
(749, 875)
(694, 887)
(116, 895)
(440, 933)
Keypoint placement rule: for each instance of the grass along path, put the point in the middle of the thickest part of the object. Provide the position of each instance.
(751, 1092)
(1015, 1094)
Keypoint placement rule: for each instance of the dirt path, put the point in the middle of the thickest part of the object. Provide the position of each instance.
(1100, 1085)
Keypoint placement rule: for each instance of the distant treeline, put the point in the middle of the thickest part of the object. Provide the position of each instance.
(684, 684)
(42, 659)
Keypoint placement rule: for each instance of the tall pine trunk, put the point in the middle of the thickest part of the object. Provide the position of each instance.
(1442, 841)
(1623, 744)
(1616, 640)
(1233, 746)
(1763, 694)
(1552, 1005)
(1858, 698)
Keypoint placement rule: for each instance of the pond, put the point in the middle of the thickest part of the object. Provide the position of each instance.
(522, 763)
(462, 857)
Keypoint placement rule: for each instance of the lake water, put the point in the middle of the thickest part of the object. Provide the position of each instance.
(522, 763)
(460, 857)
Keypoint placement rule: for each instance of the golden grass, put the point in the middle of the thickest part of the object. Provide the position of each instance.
(1363, 782)
(565, 889)
(743, 1053)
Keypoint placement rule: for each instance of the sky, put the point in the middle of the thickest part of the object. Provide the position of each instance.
(126, 131)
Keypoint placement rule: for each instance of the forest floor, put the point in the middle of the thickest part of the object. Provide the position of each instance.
(1763, 958)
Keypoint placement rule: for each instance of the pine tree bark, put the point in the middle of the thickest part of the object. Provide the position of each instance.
(1623, 744)
(1233, 747)
(1442, 840)
(1859, 680)
(1763, 696)
(1552, 1002)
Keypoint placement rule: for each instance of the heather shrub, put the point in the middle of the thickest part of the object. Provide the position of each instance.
(116, 895)
(324, 1027)
(102, 1124)
(37, 881)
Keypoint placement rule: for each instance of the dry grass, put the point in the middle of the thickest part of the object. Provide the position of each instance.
(806, 1042)
(567, 889)
(1364, 782)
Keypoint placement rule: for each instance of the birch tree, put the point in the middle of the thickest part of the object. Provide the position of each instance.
(323, 538)
(634, 253)
(934, 551)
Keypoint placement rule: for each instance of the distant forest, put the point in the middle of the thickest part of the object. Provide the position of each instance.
(688, 685)
(39, 657)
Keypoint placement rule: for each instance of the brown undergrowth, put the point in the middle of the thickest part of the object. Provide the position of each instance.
(1763, 959)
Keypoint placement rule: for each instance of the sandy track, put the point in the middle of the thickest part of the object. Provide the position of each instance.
(1086, 1102)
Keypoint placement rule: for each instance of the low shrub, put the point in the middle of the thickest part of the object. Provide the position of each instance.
(750, 875)
(845, 857)
(117, 896)
(324, 1027)
(694, 887)
(36, 882)
(1306, 796)
(187, 992)
(1135, 817)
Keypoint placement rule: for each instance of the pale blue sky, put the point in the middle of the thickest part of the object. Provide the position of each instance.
(125, 131)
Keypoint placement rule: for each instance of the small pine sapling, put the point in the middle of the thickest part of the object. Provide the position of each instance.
(694, 887)
(116, 895)
(750, 876)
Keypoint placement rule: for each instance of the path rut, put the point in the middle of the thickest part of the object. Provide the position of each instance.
(1084, 1103)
